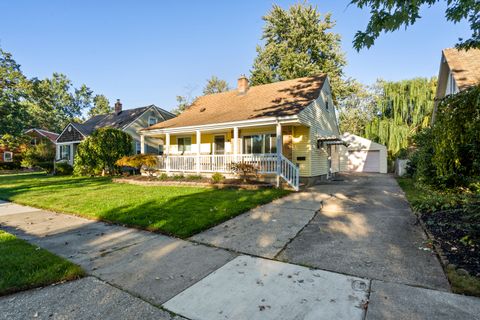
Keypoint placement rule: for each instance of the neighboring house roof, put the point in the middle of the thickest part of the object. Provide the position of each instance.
(284, 98)
(115, 120)
(464, 66)
(52, 136)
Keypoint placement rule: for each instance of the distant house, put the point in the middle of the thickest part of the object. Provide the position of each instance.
(287, 129)
(37, 136)
(130, 121)
(41, 136)
(459, 70)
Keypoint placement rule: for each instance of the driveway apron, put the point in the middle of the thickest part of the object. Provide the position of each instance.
(366, 229)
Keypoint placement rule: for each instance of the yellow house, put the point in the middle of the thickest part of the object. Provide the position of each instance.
(288, 129)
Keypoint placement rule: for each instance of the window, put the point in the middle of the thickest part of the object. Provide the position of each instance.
(152, 121)
(260, 143)
(7, 156)
(33, 142)
(184, 145)
(138, 147)
(65, 152)
(160, 149)
(219, 144)
(326, 104)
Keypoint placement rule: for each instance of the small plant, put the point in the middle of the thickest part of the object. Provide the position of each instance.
(244, 170)
(178, 177)
(194, 177)
(163, 176)
(63, 169)
(217, 177)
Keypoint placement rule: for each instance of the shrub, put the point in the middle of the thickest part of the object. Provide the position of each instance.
(48, 166)
(178, 177)
(217, 177)
(163, 176)
(40, 153)
(63, 169)
(193, 177)
(100, 151)
(146, 161)
(244, 169)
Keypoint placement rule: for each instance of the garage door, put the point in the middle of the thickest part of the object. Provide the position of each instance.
(364, 161)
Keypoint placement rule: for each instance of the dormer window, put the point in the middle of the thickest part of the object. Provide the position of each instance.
(326, 104)
(152, 121)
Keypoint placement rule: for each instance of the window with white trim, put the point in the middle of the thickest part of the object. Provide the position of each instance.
(138, 147)
(260, 143)
(8, 156)
(184, 145)
(160, 149)
(152, 121)
(64, 152)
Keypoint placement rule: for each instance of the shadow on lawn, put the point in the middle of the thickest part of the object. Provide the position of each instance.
(186, 215)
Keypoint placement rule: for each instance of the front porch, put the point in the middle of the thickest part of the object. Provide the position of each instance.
(205, 151)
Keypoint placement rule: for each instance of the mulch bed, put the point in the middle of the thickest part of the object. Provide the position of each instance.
(456, 233)
(203, 182)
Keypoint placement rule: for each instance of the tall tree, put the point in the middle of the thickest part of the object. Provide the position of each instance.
(403, 108)
(101, 105)
(390, 15)
(215, 85)
(14, 87)
(299, 42)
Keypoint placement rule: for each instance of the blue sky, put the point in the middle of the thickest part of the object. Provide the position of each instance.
(146, 52)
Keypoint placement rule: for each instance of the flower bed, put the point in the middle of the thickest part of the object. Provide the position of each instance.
(193, 181)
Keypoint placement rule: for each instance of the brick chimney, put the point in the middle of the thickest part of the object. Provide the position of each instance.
(242, 85)
(118, 106)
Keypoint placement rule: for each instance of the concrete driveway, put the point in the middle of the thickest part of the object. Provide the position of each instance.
(366, 229)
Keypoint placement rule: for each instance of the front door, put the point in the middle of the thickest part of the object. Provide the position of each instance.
(219, 144)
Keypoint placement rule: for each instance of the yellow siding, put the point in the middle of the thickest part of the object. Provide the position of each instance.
(301, 147)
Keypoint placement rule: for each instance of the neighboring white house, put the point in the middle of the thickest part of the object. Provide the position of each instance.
(362, 155)
(459, 70)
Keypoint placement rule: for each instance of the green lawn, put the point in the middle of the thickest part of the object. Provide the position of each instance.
(24, 266)
(180, 211)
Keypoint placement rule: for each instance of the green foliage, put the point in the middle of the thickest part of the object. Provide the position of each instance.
(101, 150)
(163, 176)
(63, 169)
(194, 177)
(391, 15)
(101, 105)
(41, 153)
(457, 136)
(298, 43)
(356, 109)
(403, 108)
(183, 102)
(215, 85)
(217, 177)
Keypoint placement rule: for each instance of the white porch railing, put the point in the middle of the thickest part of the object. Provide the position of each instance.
(266, 163)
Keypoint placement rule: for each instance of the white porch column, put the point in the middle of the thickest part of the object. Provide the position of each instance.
(279, 152)
(167, 152)
(71, 155)
(142, 144)
(235, 143)
(199, 144)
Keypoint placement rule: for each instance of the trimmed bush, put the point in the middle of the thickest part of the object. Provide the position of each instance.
(217, 177)
(63, 169)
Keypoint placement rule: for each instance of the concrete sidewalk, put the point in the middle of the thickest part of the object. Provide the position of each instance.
(136, 272)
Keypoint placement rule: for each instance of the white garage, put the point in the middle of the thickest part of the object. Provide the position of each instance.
(363, 155)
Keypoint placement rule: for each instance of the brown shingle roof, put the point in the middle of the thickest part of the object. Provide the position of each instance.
(277, 99)
(464, 65)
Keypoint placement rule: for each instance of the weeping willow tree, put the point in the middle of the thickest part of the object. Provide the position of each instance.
(403, 109)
